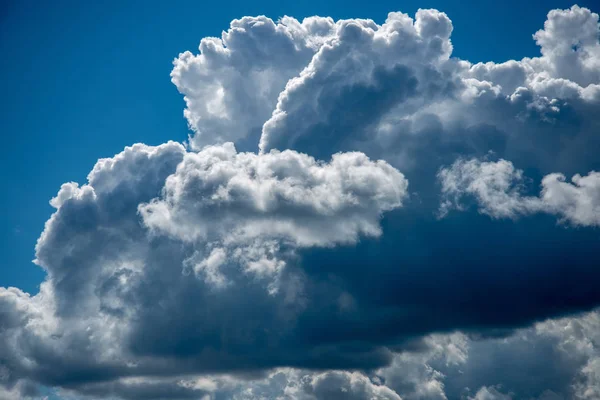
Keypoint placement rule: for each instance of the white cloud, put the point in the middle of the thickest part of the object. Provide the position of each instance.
(577, 202)
(498, 186)
(150, 215)
(490, 393)
(356, 76)
(242, 207)
(392, 91)
(208, 272)
(569, 45)
(232, 86)
(240, 196)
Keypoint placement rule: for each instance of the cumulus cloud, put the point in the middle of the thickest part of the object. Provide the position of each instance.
(365, 66)
(498, 186)
(219, 193)
(569, 45)
(119, 249)
(281, 254)
(246, 206)
(362, 90)
(393, 91)
(230, 88)
(555, 359)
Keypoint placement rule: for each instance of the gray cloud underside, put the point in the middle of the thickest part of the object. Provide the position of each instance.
(284, 255)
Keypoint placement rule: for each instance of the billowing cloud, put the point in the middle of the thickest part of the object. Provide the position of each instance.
(555, 359)
(150, 216)
(357, 77)
(219, 193)
(393, 91)
(281, 255)
(232, 86)
(498, 186)
(241, 208)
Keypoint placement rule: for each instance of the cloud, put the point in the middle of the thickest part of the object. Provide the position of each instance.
(393, 92)
(357, 77)
(555, 359)
(275, 195)
(22, 390)
(305, 385)
(552, 360)
(569, 45)
(281, 254)
(231, 87)
(119, 251)
(241, 208)
(486, 393)
(497, 188)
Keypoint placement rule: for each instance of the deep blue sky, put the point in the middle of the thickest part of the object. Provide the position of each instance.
(80, 80)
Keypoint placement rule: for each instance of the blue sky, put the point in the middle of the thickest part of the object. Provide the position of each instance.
(83, 80)
(417, 218)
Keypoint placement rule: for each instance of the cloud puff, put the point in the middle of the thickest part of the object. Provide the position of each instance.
(392, 91)
(219, 194)
(569, 45)
(245, 206)
(357, 77)
(232, 86)
(305, 269)
(568, 66)
(498, 186)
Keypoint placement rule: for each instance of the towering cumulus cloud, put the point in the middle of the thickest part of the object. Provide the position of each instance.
(358, 215)
(232, 86)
